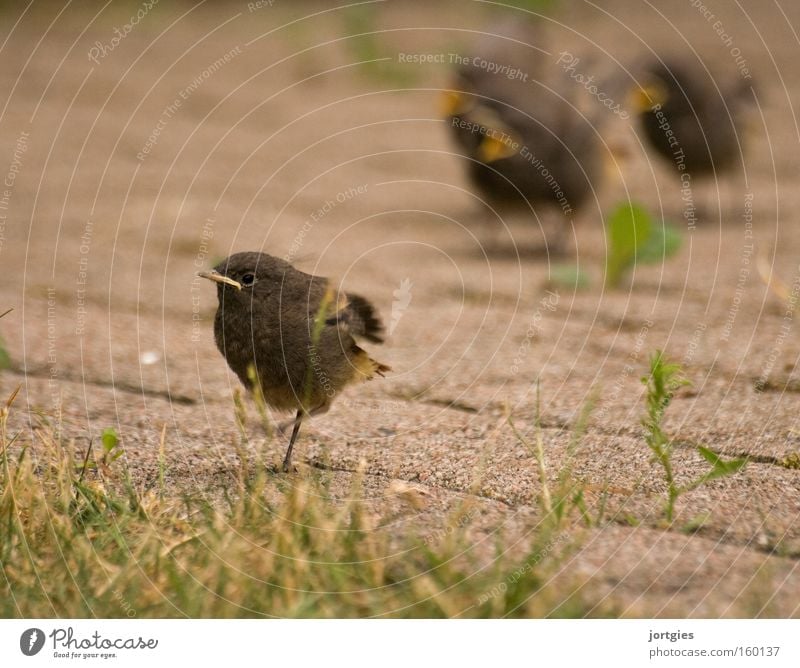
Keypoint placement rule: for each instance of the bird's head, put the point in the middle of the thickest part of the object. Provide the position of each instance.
(652, 93)
(244, 275)
(459, 99)
(661, 84)
(483, 134)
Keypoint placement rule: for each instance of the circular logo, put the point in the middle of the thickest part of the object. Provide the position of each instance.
(31, 641)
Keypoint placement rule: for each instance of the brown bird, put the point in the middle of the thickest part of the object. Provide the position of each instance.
(519, 125)
(292, 333)
(518, 153)
(687, 121)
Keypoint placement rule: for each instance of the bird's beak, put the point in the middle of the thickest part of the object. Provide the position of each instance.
(453, 103)
(215, 276)
(492, 149)
(645, 98)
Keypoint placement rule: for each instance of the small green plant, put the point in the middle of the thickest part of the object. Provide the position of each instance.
(633, 236)
(112, 450)
(662, 382)
(5, 358)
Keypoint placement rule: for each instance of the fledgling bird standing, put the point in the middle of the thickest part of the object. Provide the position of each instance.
(520, 125)
(688, 121)
(295, 331)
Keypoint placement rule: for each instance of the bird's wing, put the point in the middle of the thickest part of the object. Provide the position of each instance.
(359, 316)
(362, 318)
(342, 309)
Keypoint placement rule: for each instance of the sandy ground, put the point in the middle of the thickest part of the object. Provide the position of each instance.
(293, 147)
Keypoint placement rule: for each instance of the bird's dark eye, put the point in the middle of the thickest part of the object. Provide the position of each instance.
(248, 279)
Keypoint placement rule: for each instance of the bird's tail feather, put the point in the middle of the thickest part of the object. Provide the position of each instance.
(367, 368)
(364, 319)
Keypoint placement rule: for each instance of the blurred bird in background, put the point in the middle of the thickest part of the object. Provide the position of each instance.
(516, 118)
(693, 123)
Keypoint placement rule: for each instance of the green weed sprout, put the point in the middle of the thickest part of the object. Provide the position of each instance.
(558, 503)
(5, 358)
(662, 382)
(633, 236)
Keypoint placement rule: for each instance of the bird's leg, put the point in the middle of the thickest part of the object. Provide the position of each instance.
(288, 458)
(319, 410)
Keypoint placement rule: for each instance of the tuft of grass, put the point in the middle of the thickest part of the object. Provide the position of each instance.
(633, 236)
(258, 400)
(256, 545)
(561, 502)
(663, 380)
(112, 450)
